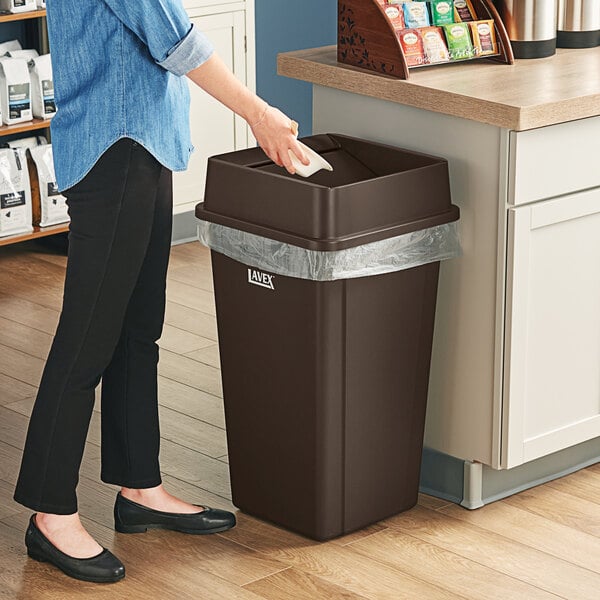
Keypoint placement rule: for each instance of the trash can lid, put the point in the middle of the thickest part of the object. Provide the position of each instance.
(375, 191)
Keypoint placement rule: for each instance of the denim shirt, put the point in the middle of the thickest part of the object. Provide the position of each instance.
(119, 69)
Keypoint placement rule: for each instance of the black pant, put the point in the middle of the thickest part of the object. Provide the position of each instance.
(112, 316)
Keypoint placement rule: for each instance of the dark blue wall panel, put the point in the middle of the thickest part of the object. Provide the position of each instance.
(283, 25)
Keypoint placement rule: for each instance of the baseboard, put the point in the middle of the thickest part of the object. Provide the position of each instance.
(185, 228)
(500, 484)
(442, 475)
(447, 477)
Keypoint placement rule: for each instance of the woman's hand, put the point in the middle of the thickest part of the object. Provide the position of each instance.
(271, 128)
(273, 132)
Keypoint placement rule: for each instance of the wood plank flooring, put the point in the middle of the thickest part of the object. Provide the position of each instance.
(543, 543)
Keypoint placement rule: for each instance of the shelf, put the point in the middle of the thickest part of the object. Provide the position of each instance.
(38, 232)
(34, 35)
(32, 14)
(368, 40)
(23, 127)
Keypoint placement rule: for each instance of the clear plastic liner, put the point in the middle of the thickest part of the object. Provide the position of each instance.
(385, 256)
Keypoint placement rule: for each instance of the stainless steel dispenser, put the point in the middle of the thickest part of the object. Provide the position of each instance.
(578, 24)
(531, 26)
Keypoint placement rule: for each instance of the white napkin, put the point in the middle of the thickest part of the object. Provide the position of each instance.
(317, 162)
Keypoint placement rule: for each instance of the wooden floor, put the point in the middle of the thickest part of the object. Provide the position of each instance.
(543, 543)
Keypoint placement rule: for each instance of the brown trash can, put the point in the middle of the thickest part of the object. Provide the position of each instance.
(325, 381)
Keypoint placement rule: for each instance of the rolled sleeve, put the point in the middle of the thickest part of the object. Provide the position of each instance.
(188, 54)
(165, 28)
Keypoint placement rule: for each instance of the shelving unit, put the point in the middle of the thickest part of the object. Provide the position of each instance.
(33, 14)
(38, 232)
(36, 32)
(367, 39)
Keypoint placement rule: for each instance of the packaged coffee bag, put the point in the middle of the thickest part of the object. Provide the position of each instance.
(15, 90)
(18, 6)
(15, 193)
(49, 206)
(27, 142)
(10, 45)
(42, 87)
(26, 54)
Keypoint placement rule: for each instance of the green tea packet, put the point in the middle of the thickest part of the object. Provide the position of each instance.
(459, 41)
(442, 12)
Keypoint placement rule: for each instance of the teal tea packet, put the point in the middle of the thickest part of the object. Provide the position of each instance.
(459, 41)
(415, 14)
(442, 12)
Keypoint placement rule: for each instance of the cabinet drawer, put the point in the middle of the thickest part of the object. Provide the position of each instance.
(552, 161)
(552, 345)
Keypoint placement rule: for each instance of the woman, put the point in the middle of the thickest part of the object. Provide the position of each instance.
(121, 128)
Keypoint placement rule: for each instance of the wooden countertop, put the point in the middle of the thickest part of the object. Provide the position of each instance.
(528, 94)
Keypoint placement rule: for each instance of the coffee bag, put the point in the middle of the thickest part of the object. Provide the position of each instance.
(27, 142)
(10, 45)
(49, 206)
(42, 87)
(18, 6)
(15, 193)
(26, 54)
(15, 90)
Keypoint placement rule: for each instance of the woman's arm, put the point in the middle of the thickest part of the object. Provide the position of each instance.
(177, 46)
(271, 128)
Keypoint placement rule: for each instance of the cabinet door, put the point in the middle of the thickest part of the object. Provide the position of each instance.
(215, 129)
(552, 349)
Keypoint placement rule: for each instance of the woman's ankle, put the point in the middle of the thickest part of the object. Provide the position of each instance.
(50, 523)
(133, 493)
(41, 517)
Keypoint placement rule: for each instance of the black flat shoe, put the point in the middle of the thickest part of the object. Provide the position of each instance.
(102, 568)
(131, 517)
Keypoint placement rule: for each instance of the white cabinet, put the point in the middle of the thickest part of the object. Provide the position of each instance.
(552, 343)
(215, 129)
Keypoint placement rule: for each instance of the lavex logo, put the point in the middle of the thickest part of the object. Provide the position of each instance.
(261, 279)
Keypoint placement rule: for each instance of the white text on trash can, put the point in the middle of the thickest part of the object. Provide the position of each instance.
(261, 279)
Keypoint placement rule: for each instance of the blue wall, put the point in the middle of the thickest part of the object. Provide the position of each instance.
(283, 25)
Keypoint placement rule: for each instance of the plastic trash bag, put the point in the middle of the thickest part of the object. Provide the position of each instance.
(376, 258)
